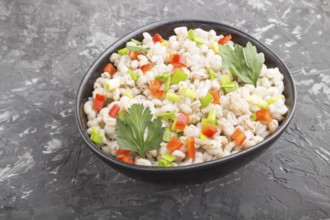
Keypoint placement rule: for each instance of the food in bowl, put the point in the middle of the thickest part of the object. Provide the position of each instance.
(194, 97)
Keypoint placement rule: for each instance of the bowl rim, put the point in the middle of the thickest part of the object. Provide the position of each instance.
(157, 169)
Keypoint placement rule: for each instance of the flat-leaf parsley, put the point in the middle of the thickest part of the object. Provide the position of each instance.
(243, 62)
(136, 131)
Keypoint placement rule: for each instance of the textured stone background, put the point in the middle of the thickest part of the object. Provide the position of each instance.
(47, 172)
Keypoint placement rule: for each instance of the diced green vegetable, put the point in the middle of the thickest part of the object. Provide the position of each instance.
(253, 117)
(167, 84)
(258, 101)
(230, 88)
(138, 43)
(172, 97)
(274, 99)
(202, 137)
(111, 84)
(94, 130)
(214, 46)
(205, 121)
(163, 76)
(167, 115)
(187, 92)
(167, 135)
(225, 80)
(192, 37)
(211, 73)
(227, 85)
(168, 157)
(164, 43)
(96, 137)
(199, 40)
(164, 163)
(263, 104)
(173, 127)
(206, 100)
(135, 76)
(230, 85)
(128, 94)
(123, 51)
(191, 34)
(178, 76)
(212, 116)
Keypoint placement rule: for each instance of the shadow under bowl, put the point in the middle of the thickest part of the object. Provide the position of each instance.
(193, 173)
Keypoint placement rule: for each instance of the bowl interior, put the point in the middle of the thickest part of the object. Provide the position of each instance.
(166, 29)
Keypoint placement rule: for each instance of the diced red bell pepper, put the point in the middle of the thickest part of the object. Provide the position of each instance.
(216, 96)
(174, 144)
(264, 115)
(190, 142)
(179, 60)
(145, 68)
(157, 93)
(155, 84)
(123, 153)
(157, 38)
(126, 159)
(238, 136)
(225, 39)
(209, 130)
(110, 69)
(182, 122)
(133, 54)
(98, 101)
(114, 111)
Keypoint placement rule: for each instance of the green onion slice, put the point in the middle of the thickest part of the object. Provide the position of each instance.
(178, 76)
(206, 100)
(168, 157)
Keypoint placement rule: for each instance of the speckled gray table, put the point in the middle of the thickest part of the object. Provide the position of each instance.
(47, 172)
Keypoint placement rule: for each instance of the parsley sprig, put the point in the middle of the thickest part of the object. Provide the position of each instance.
(243, 62)
(136, 131)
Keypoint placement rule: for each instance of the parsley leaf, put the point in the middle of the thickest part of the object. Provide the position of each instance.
(138, 132)
(243, 62)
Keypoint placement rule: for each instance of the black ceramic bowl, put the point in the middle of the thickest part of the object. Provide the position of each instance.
(193, 173)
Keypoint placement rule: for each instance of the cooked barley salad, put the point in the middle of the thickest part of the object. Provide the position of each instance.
(194, 97)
